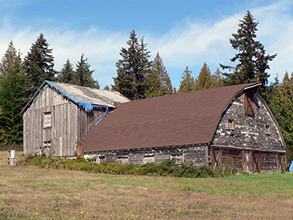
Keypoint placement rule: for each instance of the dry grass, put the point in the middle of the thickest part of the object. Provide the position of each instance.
(34, 193)
(3, 157)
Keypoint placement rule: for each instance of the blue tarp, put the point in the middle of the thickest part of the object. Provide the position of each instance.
(291, 166)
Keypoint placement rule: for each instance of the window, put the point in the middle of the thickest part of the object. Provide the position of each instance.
(122, 160)
(101, 159)
(148, 159)
(231, 124)
(47, 120)
(249, 103)
(268, 130)
(179, 159)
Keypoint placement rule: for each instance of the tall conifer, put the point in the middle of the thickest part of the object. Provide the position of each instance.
(133, 68)
(83, 74)
(39, 63)
(187, 84)
(251, 60)
(67, 74)
(13, 93)
(158, 82)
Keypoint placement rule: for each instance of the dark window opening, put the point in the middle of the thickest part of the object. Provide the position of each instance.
(249, 103)
(231, 124)
(268, 130)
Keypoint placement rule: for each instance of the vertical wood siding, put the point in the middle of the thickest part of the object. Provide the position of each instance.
(69, 124)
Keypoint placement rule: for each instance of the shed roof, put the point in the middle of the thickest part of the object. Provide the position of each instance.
(178, 119)
(83, 96)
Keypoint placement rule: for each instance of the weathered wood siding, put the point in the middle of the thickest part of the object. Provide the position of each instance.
(248, 132)
(69, 124)
(250, 143)
(190, 154)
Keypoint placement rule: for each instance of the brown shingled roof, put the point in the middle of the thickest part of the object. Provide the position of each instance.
(179, 119)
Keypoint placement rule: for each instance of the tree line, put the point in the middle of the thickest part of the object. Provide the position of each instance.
(139, 77)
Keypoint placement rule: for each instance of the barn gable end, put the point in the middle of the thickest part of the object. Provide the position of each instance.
(55, 119)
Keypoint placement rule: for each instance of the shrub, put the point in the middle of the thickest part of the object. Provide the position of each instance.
(166, 168)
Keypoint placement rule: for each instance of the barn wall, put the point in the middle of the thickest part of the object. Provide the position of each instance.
(247, 160)
(196, 155)
(248, 132)
(250, 143)
(68, 124)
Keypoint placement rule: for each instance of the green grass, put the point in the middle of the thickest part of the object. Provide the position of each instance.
(30, 192)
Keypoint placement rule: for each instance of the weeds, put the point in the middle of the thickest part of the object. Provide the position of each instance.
(167, 168)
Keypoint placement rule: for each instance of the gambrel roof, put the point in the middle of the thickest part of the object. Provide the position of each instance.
(85, 97)
(173, 120)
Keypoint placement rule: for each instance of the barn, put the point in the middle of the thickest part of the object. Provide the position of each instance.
(59, 116)
(226, 125)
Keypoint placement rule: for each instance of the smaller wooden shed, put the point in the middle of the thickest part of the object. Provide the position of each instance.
(59, 115)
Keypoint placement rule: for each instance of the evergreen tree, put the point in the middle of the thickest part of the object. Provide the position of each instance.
(217, 76)
(10, 61)
(13, 93)
(188, 83)
(158, 81)
(132, 69)
(281, 105)
(252, 62)
(39, 63)
(67, 74)
(205, 79)
(106, 87)
(83, 74)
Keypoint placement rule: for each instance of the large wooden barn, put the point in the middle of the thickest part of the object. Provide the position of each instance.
(59, 115)
(214, 126)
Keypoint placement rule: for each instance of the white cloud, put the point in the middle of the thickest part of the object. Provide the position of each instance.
(189, 43)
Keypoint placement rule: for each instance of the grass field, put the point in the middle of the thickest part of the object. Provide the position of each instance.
(35, 193)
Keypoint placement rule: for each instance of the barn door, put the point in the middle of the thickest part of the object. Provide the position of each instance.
(246, 158)
(256, 162)
(216, 157)
(280, 163)
(251, 161)
(47, 133)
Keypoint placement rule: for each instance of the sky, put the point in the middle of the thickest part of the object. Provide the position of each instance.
(184, 32)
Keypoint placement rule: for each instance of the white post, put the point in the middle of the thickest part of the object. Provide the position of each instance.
(12, 158)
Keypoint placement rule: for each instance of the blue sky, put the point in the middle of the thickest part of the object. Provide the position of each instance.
(184, 32)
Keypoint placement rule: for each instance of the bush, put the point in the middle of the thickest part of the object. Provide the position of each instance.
(166, 168)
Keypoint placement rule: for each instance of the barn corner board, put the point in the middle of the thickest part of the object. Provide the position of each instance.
(215, 126)
(59, 115)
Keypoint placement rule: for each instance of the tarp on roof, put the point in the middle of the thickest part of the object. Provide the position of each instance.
(83, 96)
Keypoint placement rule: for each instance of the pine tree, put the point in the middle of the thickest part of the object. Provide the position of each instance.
(188, 83)
(83, 74)
(10, 61)
(217, 76)
(205, 79)
(158, 81)
(281, 104)
(67, 74)
(106, 87)
(13, 93)
(252, 62)
(39, 63)
(132, 69)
